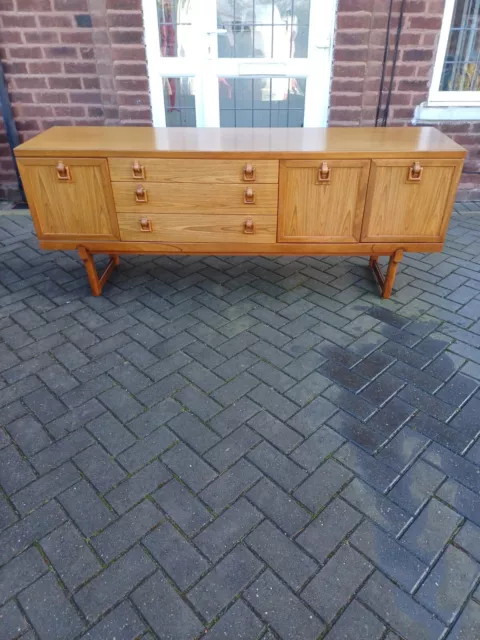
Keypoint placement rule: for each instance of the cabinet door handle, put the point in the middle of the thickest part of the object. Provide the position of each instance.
(249, 196)
(63, 172)
(141, 194)
(249, 173)
(249, 226)
(138, 170)
(415, 172)
(146, 225)
(324, 173)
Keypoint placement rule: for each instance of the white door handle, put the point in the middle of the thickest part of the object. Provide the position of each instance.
(217, 31)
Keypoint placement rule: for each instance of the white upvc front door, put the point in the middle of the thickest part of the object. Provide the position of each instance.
(234, 63)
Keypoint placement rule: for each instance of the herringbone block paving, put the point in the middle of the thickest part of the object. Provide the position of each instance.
(250, 448)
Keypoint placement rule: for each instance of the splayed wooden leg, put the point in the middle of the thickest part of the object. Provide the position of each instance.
(386, 282)
(96, 283)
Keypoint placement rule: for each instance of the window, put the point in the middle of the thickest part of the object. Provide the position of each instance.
(456, 76)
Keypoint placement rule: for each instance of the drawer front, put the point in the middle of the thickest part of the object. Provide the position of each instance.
(191, 228)
(196, 171)
(410, 200)
(195, 198)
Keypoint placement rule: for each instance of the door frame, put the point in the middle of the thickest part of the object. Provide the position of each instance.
(206, 69)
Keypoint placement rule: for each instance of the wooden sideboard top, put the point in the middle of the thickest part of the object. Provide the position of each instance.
(360, 142)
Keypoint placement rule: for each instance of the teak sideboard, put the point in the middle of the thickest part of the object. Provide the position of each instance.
(339, 191)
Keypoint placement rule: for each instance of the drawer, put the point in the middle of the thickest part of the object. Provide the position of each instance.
(158, 197)
(201, 170)
(172, 227)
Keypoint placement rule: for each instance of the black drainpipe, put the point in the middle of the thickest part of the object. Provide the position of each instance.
(10, 127)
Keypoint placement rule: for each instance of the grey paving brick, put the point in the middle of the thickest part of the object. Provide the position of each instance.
(393, 559)
(239, 622)
(320, 445)
(75, 419)
(12, 621)
(121, 403)
(28, 434)
(85, 508)
(403, 449)
(320, 487)
(154, 417)
(232, 448)
(114, 583)
(126, 531)
(44, 405)
(366, 467)
(57, 379)
(288, 616)
(430, 404)
(467, 625)
(15, 472)
(230, 485)
(453, 465)
(61, 451)
(224, 582)
(312, 416)
(431, 530)
(45, 488)
(187, 427)
(469, 539)
(49, 611)
(357, 623)
(122, 623)
(7, 514)
(111, 433)
(278, 506)
(466, 502)
(325, 533)
(132, 490)
(176, 555)
(275, 431)
(147, 449)
(71, 357)
(87, 391)
(279, 467)
(358, 432)
(174, 619)
(273, 402)
(188, 466)
(281, 555)
(235, 415)
(449, 584)
(155, 393)
(235, 388)
(304, 365)
(16, 391)
(102, 471)
(20, 572)
(228, 529)
(201, 405)
(376, 506)
(333, 587)
(399, 610)
(182, 507)
(70, 556)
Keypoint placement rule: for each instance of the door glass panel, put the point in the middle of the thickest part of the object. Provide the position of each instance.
(179, 96)
(178, 22)
(263, 28)
(262, 102)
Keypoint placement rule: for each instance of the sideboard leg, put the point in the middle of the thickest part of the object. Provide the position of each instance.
(96, 283)
(386, 282)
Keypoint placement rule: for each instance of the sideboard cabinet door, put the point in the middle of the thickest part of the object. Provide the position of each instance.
(410, 200)
(321, 200)
(70, 197)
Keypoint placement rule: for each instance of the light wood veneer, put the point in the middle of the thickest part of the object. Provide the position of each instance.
(351, 191)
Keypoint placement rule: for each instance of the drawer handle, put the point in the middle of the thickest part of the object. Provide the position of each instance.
(249, 196)
(146, 225)
(138, 170)
(249, 173)
(141, 194)
(324, 173)
(63, 172)
(249, 226)
(415, 172)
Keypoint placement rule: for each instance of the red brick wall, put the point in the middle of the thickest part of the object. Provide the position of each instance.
(359, 49)
(72, 62)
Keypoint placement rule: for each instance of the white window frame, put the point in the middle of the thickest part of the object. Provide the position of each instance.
(439, 98)
(316, 69)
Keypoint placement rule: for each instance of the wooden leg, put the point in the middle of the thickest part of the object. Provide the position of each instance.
(386, 282)
(96, 283)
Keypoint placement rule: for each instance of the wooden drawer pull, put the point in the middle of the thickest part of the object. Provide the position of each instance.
(141, 194)
(324, 173)
(249, 173)
(249, 226)
(63, 172)
(138, 170)
(415, 172)
(146, 225)
(249, 196)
